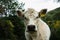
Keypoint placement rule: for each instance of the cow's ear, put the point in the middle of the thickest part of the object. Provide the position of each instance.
(42, 13)
(19, 13)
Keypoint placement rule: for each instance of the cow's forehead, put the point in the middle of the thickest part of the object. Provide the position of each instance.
(31, 13)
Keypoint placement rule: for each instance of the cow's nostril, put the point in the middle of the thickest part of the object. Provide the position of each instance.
(31, 27)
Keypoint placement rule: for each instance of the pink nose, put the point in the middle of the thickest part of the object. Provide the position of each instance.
(31, 27)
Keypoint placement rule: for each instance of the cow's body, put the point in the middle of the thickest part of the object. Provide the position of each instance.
(36, 29)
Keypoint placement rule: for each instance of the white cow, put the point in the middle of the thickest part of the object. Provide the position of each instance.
(36, 29)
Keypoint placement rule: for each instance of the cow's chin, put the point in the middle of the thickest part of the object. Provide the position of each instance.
(34, 31)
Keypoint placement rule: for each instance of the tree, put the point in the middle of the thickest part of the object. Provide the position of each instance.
(11, 26)
(10, 6)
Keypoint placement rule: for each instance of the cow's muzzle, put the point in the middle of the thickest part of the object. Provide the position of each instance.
(31, 28)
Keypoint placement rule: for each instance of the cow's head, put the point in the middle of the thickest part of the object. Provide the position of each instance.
(30, 16)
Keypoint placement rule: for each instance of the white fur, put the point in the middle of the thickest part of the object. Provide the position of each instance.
(43, 31)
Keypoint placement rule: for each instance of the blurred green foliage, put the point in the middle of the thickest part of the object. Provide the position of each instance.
(11, 28)
(52, 18)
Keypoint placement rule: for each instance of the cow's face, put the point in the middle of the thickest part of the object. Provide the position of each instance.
(31, 18)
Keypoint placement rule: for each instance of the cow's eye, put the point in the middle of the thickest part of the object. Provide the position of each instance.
(37, 17)
(26, 18)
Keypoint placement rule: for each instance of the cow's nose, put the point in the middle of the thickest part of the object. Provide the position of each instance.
(31, 27)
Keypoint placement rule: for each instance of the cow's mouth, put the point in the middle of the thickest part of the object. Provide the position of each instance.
(31, 31)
